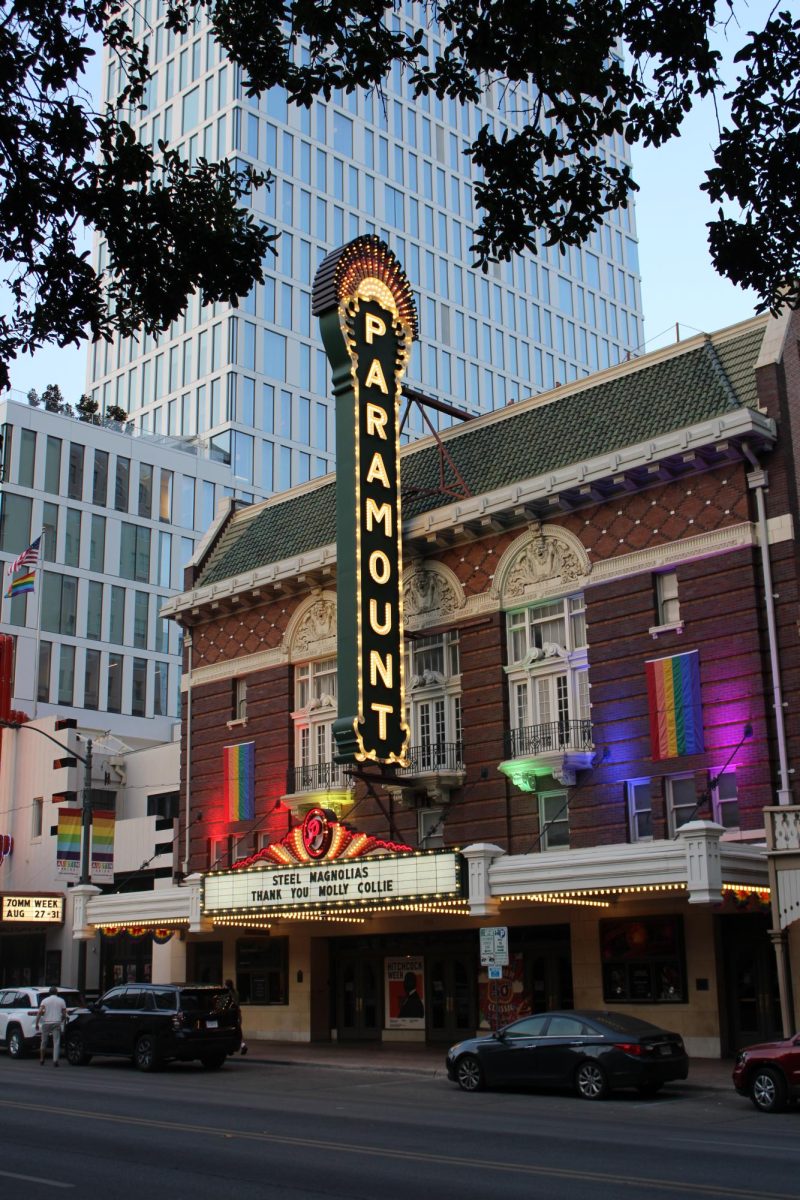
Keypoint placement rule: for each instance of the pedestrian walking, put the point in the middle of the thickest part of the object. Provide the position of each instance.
(50, 1020)
(235, 1000)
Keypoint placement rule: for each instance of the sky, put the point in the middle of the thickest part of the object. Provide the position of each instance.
(679, 284)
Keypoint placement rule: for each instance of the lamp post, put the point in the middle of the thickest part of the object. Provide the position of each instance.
(86, 821)
(86, 833)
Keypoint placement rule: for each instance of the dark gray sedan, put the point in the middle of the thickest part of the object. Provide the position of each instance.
(592, 1052)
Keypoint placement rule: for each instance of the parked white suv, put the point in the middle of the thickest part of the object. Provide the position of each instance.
(18, 1009)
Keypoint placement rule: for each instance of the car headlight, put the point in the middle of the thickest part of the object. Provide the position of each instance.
(453, 1051)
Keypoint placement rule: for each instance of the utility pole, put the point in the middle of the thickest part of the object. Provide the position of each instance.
(86, 834)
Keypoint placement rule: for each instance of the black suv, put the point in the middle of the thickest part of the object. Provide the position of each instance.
(151, 1023)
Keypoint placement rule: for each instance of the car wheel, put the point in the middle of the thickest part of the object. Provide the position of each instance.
(649, 1089)
(590, 1081)
(213, 1062)
(76, 1051)
(469, 1073)
(768, 1090)
(145, 1054)
(16, 1042)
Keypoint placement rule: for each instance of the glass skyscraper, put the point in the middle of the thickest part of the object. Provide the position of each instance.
(252, 382)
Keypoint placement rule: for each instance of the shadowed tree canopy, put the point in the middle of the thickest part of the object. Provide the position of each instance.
(572, 73)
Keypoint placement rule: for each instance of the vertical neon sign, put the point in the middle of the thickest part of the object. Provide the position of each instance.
(368, 322)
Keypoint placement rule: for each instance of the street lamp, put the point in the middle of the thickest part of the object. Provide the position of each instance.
(86, 820)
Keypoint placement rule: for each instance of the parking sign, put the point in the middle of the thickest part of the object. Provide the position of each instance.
(494, 946)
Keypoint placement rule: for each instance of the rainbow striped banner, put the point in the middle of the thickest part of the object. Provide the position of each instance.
(68, 843)
(102, 858)
(20, 585)
(239, 771)
(676, 711)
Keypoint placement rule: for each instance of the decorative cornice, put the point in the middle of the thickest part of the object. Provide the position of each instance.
(654, 558)
(657, 558)
(738, 423)
(245, 664)
(640, 864)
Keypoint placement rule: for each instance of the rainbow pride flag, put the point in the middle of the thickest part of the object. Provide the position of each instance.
(102, 858)
(676, 711)
(239, 772)
(20, 585)
(68, 843)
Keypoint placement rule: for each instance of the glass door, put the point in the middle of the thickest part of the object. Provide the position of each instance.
(452, 1007)
(359, 999)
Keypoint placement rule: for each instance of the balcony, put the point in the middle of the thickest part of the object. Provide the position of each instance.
(326, 784)
(557, 748)
(434, 770)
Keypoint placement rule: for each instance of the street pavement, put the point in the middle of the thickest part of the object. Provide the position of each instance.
(265, 1128)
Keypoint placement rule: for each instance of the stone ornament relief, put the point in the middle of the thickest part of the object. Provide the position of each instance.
(430, 594)
(311, 633)
(545, 560)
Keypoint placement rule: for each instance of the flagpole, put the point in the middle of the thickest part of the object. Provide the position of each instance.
(38, 591)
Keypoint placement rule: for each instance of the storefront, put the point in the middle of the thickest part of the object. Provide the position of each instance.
(28, 921)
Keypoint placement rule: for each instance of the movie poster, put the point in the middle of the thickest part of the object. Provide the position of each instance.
(503, 1000)
(405, 993)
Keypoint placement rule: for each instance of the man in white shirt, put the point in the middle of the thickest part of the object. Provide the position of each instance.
(51, 1019)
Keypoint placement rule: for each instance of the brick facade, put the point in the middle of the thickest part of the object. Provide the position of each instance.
(722, 617)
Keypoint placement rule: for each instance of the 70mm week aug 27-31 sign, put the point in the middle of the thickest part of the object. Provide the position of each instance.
(368, 322)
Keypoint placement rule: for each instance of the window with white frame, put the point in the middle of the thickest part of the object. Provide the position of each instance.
(668, 609)
(548, 669)
(433, 687)
(640, 810)
(726, 801)
(682, 801)
(218, 853)
(37, 817)
(240, 700)
(315, 712)
(554, 623)
(553, 821)
(430, 828)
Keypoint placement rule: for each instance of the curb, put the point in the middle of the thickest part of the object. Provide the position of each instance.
(428, 1072)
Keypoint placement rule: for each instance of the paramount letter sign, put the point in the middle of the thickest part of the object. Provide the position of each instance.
(368, 322)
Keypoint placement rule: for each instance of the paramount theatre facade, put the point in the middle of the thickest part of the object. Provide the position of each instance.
(532, 674)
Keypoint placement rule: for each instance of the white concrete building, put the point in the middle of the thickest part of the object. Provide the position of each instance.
(41, 909)
(120, 514)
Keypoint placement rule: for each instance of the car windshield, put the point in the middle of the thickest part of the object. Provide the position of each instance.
(71, 999)
(206, 1000)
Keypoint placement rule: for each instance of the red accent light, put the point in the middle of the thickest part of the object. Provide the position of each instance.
(633, 1048)
(345, 842)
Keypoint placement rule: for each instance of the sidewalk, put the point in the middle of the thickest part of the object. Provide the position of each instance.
(413, 1059)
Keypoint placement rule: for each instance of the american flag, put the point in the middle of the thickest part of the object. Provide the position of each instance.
(28, 558)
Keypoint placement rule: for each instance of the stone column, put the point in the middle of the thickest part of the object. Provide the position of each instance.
(778, 939)
(480, 857)
(703, 862)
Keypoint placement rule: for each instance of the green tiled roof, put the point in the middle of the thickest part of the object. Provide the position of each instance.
(531, 439)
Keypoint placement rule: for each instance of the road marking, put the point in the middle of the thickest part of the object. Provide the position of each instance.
(35, 1179)
(734, 1143)
(449, 1160)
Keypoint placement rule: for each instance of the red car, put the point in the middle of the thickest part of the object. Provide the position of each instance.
(769, 1074)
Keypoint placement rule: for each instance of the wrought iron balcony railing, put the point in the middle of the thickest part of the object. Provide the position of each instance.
(317, 777)
(552, 735)
(434, 756)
